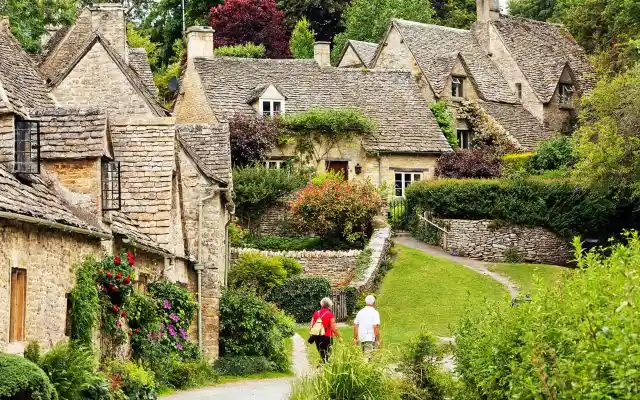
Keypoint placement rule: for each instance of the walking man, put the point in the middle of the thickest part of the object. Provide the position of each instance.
(366, 328)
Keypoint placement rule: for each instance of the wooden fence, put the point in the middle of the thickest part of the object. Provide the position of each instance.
(339, 310)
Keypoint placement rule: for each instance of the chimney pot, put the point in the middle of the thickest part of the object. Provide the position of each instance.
(199, 41)
(322, 53)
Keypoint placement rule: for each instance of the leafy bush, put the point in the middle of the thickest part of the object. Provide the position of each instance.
(468, 163)
(247, 50)
(243, 365)
(32, 352)
(22, 379)
(513, 256)
(257, 271)
(302, 40)
(237, 235)
(444, 118)
(250, 326)
(300, 296)
(251, 139)
(554, 153)
(85, 303)
(292, 243)
(560, 206)
(327, 175)
(574, 340)
(516, 163)
(334, 209)
(291, 265)
(136, 382)
(257, 188)
(70, 369)
(487, 132)
(188, 374)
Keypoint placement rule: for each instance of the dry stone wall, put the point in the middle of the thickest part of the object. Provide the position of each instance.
(379, 245)
(491, 241)
(272, 220)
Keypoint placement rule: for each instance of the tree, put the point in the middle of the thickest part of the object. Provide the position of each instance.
(139, 38)
(607, 142)
(324, 16)
(302, 40)
(247, 50)
(163, 75)
(251, 139)
(368, 20)
(454, 13)
(541, 10)
(255, 21)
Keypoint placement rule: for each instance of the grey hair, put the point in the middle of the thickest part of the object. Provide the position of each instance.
(326, 303)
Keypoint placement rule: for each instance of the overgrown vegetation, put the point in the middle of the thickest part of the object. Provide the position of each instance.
(261, 273)
(488, 134)
(71, 369)
(290, 243)
(85, 303)
(251, 139)
(444, 118)
(300, 296)
(246, 50)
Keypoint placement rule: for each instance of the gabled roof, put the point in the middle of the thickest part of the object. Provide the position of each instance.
(436, 48)
(139, 61)
(122, 225)
(365, 51)
(519, 122)
(71, 133)
(20, 81)
(126, 69)
(208, 145)
(259, 90)
(391, 99)
(542, 50)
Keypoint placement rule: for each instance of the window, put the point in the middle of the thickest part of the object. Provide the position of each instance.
(142, 282)
(456, 86)
(110, 185)
(18, 307)
(404, 179)
(276, 164)
(565, 91)
(271, 108)
(519, 90)
(464, 138)
(27, 147)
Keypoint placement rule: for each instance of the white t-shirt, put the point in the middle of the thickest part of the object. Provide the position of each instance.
(366, 319)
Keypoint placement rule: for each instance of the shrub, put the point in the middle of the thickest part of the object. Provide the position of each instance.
(237, 235)
(70, 369)
(22, 379)
(468, 163)
(334, 209)
(327, 176)
(293, 243)
(247, 50)
(257, 271)
(577, 339)
(258, 188)
(32, 352)
(188, 374)
(555, 153)
(134, 381)
(513, 256)
(300, 296)
(444, 118)
(251, 139)
(302, 40)
(516, 163)
(487, 132)
(291, 265)
(85, 303)
(243, 365)
(250, 326)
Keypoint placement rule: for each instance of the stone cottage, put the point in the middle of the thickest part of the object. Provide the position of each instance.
(89, 166)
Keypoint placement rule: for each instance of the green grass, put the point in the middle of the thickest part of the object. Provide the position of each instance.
(523, 274)
(423, 291)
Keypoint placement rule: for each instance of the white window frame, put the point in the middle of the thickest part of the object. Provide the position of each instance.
(459, 135)
(406, 179)
(457, 82)
(277, 164)
(565, 94)
(271, 102)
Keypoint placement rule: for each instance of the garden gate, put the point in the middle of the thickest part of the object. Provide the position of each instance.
(397, 214)
(339, 298)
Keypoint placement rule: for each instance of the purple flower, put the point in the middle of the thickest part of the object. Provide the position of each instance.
(118, 323)
(166, 304)
(172, 330)
(179, 346)
(174, 318)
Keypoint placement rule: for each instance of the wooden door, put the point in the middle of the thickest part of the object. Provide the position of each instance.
(338, 167)
(18, 304)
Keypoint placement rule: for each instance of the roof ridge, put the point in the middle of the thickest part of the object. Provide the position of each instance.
(362, 41)
(534, 21)
(394, 20)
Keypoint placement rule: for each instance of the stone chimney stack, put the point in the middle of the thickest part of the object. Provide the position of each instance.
(109, 19)
(199, 42)
(487, 10)
(322, 53)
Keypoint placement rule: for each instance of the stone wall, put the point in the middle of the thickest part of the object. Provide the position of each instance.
(488, 240)
(379, 244)
(272, 220)
(338, 267)
(7, 138)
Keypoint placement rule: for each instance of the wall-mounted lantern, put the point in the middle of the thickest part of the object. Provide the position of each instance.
(358, 169)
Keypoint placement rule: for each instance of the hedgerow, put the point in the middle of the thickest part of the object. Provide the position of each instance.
(22, 379)
(300, 296)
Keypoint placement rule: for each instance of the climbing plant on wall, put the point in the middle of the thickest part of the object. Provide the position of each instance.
(487, 132)
(444, 118)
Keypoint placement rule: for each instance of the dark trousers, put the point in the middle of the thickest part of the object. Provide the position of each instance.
(323, 344)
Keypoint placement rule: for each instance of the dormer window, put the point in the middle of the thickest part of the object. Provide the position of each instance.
(111, 199)
(271, 108)
(457, 84)
(27, 147)
(565, 94)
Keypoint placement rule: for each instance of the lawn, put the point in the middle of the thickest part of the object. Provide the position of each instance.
(430, 292)
(523, 274)
(314, 358)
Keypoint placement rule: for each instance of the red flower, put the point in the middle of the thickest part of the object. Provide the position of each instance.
(124, 314)
(130, 258)
(137, 330)
(119, 275)
(130, 333)
(109, 275)
(126, 280)
(115, 308)
(115, 288)
(117, 260)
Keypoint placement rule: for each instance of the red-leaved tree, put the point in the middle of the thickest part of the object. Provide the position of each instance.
(255, 21)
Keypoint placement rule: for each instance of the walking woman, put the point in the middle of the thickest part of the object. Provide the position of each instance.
(323, 328)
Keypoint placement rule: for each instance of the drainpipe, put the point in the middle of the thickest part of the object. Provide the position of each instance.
(227, 241)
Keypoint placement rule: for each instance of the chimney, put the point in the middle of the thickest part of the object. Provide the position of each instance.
(487, 10)
(109, 19)
(322, 53)
(199, 42)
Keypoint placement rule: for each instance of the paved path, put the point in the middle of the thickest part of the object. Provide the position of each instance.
(265, 389)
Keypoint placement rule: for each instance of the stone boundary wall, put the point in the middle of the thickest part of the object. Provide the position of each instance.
(271, 221)
(338, 267)
(490, 241)
(379, 244)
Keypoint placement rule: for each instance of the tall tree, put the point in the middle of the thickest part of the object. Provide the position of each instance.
(302, 40)
(454, 13)
(255, 21)
(323, 15)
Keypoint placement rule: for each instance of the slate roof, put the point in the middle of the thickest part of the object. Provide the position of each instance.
(391, 99)
(542, 50)
(37, 200)
(22, 84)
(139, 61)
(366, 51)
(208, 145)
(71, 133)
(519, 122)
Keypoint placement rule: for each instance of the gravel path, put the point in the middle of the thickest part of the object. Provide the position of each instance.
(265, 389)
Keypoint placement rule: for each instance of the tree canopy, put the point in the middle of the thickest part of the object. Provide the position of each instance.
(302, 40)
(324, 16)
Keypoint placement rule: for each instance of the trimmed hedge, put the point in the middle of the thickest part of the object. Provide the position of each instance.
(300, 296)
(243, 365)
(22, 379)
(558, 205)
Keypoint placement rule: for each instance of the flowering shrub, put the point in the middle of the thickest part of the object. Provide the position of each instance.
(114, 280)
(336, 210)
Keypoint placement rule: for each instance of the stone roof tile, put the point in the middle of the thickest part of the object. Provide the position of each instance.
(139, 61)
(519, 122)
(391, 99)
(209, 146)
(123, 225)
(365, 50)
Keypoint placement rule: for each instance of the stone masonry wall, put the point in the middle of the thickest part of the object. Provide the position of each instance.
(7, 139)
(49, 257)
(486, 240)
(271, 221)
(379, 244)
(337, 266)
